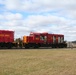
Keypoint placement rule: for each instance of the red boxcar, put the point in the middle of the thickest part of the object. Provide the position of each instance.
(6, 38)
(44, 40)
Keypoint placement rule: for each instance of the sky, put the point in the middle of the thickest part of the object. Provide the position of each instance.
(52, 16)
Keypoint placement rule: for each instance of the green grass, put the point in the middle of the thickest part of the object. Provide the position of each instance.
(38, 62)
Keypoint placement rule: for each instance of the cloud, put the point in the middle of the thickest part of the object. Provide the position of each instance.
(1, 1)
(60, 7)
(44, 20)
(11, 16)
(38, 5)
(10, 19)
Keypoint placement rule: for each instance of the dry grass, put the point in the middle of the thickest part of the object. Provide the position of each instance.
(38, 62)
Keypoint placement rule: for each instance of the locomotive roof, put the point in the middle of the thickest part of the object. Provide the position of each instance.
(45, 33)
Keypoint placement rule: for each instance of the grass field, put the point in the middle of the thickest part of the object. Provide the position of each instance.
(38, 62)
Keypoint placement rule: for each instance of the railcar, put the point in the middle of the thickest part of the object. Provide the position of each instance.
(6, 38)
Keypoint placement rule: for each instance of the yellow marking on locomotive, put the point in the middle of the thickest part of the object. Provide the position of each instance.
(4, 35)
(37, 38)
(1, 34)
(7, 35)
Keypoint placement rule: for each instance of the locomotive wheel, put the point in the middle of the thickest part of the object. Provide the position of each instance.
(36, 46)
(9, 45)
(27, 46)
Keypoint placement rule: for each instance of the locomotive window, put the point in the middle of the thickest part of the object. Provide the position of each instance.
(43, 37)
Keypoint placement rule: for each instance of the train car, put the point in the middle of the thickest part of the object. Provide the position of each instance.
(6, 38)
(37, 40)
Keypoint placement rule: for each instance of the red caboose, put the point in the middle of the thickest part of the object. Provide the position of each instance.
(44, 40)
(6, 38)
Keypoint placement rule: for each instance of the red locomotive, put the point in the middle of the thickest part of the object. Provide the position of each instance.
(34, 40)
(37, 40)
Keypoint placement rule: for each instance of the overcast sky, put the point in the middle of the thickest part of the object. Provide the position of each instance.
(52, 16)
